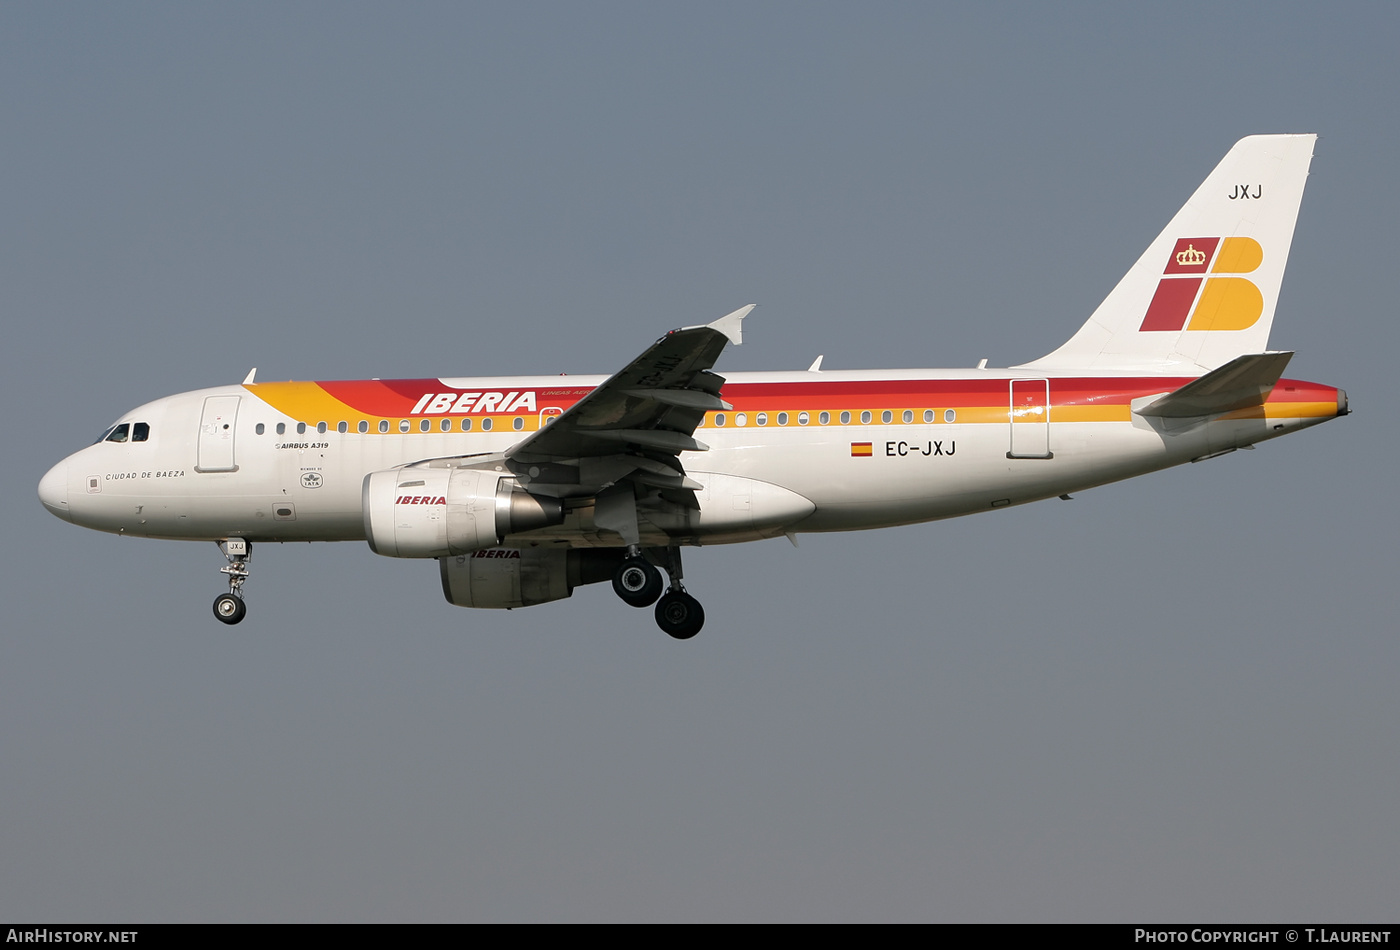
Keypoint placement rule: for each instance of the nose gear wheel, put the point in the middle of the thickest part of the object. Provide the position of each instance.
(229, 608)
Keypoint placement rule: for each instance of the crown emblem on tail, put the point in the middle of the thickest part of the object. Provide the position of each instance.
(1190, 257)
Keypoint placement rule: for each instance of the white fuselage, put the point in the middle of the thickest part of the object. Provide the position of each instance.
(200, 477)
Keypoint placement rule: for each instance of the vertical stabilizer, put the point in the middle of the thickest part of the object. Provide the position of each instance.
(1204, 291)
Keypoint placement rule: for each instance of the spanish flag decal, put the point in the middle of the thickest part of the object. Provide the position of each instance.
(861, 450)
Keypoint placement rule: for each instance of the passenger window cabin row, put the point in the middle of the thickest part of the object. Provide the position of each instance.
(718, 419)
(424, 425)
(867, 417)
(141, 432)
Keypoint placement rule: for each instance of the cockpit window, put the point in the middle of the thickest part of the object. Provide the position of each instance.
(135, 431)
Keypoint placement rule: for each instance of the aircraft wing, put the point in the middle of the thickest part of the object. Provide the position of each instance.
(650, 407)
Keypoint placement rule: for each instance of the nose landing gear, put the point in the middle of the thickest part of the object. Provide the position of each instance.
(229, 608)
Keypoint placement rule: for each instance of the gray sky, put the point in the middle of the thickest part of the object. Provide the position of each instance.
(1168, 700)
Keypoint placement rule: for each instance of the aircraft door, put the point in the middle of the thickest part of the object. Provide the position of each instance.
(216, 434)
(1030, 419)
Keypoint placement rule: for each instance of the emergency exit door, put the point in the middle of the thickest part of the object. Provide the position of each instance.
(1030, 419)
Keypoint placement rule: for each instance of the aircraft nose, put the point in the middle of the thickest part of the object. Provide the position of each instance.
(53, 491)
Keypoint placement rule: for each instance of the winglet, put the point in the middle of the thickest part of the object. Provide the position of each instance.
(732, 325)
(816, 366)
(251, 373)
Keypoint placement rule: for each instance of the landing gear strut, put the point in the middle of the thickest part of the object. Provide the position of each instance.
(230, 608)
(677, 613)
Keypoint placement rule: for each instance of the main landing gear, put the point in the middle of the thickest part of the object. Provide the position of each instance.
(230, 608)
(679, 614)
(638, 583)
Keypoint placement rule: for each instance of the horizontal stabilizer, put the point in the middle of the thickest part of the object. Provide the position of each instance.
(1243, 382)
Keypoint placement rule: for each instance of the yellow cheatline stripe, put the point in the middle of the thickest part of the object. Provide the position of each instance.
(1286, 410)
(305, 402)
(985, 415)
(993, 415)
(1102, 413)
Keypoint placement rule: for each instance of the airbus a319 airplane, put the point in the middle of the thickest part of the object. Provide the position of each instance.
(524, 488)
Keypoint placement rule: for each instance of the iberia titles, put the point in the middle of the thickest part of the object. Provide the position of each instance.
(464, 403)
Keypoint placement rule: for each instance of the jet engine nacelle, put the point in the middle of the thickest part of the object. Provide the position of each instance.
(504, 578)
(436, 512)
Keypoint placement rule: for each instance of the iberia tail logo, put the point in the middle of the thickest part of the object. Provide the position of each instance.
(1194, 286)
